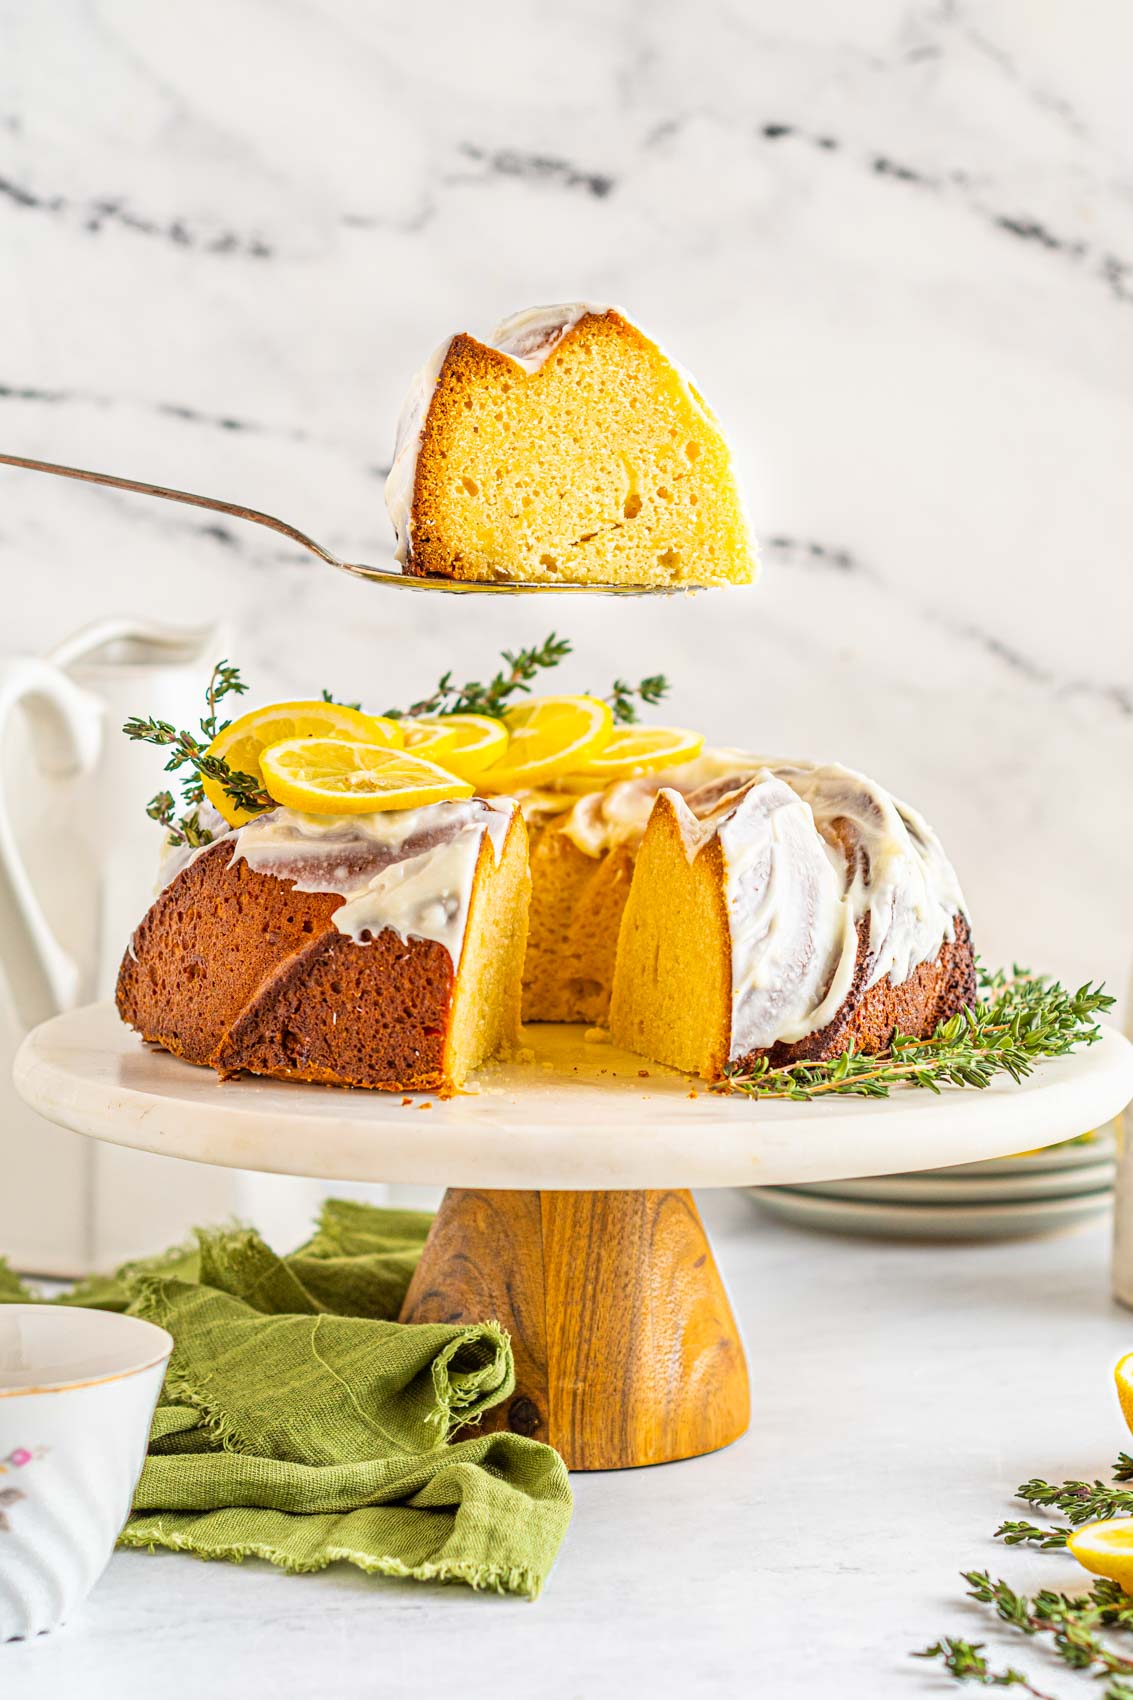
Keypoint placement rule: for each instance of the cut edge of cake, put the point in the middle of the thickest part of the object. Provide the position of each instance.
(291, 997)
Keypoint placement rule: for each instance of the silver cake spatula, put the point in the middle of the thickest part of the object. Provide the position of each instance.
(375, 575)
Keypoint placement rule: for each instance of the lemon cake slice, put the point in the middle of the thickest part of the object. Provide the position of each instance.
(382, 949)
(786, 914)
(570, 449)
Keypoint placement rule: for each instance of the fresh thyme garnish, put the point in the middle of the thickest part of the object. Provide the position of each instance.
(515, 677)
(1072, 1621)
(1019, 1019)
(1079, 1502)
(621, 697)
(520, 667)
(328, 697)
(190, 749)
(966, 1662)
(1017, 1534)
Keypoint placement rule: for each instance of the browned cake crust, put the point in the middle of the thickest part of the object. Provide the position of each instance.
(933, 992)
(238, 970)
(466, 363)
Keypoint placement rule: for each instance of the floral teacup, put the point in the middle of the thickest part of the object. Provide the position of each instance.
(77, 1396)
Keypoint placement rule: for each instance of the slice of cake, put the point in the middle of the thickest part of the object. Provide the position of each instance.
(381, 950)
(567, 449)
(786, 916)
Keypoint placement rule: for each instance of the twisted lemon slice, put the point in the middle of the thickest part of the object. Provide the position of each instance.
(631, 751)
(328, 776)
(242, 743)
(464, 743)
(548, 736)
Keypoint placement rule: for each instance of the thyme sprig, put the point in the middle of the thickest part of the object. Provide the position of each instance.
(1074, 1623)
(1079, 1502)
(514, 678)
(190, 750)
(520, 668)
(1019, 1019)
(623, 698)
(965, 1661)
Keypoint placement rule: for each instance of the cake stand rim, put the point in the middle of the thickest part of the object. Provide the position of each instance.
(482, 1141)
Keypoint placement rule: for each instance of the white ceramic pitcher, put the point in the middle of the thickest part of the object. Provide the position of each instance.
(70, 898)
(78, 858)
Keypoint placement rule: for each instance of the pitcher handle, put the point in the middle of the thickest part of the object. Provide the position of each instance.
(42, 975)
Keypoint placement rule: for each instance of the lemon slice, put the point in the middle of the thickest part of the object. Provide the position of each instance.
(1106, 1549)
(328, 776)
(464, 743)
(631, 751)
(242, 743)
(548, 736)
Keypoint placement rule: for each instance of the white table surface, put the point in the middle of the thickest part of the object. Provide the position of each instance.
(900, 1393)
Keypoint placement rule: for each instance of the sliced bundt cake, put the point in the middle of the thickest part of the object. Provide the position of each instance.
(571, 449)
(382, 950)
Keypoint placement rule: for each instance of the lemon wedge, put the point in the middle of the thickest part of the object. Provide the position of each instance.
(328, 776)
(631, 751)
(1106, 1549)
(548, 736)
(242, 743)
(464, 743)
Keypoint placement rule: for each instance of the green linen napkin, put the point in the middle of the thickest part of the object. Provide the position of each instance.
(299, 1423)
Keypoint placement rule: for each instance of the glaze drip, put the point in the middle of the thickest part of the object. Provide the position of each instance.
(410, 869)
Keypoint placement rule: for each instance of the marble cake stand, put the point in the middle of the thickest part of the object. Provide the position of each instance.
(567, 1214)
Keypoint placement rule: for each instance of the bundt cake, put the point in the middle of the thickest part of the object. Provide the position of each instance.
(381, 950)
(713, 913)
(569, 448)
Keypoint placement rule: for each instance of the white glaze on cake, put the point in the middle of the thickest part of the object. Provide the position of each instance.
(809, 850)
(527, 337)
(793, 941)
(410, 870)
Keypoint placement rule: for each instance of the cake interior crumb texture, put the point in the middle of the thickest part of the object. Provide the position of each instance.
(604, 465)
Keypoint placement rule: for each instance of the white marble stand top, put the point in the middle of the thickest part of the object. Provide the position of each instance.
(579, 1116)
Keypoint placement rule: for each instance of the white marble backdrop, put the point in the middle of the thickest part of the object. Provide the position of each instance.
(893, 241)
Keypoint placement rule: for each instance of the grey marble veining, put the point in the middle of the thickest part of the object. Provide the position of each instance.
(895, 247)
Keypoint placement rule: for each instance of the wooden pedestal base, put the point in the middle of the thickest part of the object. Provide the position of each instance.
(626, 1351)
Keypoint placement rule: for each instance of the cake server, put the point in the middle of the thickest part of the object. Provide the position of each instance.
(375, 575)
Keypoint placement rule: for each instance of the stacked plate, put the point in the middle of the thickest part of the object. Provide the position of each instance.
(1036, 1192)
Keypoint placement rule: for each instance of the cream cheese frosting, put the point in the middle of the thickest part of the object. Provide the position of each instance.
(410, 870)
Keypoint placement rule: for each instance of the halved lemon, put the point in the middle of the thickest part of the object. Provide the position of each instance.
(1106, 1549)
(1123, 1375)
(328, 776)
(548, 736)
(631, 751)
(464, 743)
(242, 743)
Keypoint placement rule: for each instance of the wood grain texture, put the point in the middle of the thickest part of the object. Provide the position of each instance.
(626, 1351)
